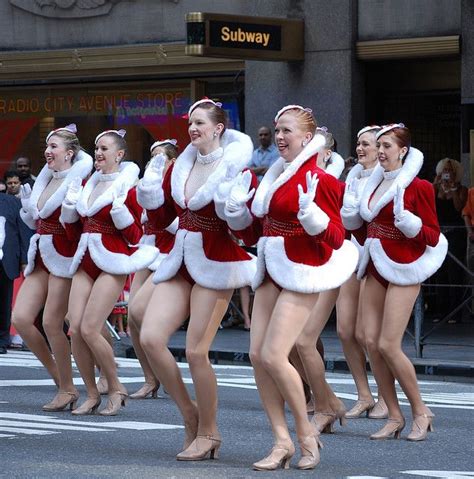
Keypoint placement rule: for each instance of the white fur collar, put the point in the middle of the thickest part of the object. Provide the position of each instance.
(80, 168)
(354, 172)
(128, 175)
(276, 175)
(411, 167)
(238, 149)
(336, 165)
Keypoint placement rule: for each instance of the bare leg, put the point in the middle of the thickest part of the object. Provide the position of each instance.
(55, 311)
(31, 298)
(245, 304)
(208, 307)
(347, 309)
(373, 301)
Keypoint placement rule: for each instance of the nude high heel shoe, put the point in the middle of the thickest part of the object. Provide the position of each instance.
(61, 401)
(360, 407)
(117, 399)
(146, 390)
(392, 427)
(102, 386)
(323, 422)
(89, 406)
(422, 423)
(279, 456)
(379, 411)
(200, 448)
(309, 452)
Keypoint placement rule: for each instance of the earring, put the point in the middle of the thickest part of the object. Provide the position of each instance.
(66, 158)
(117, 160)
(400, 157)
(304, 143)
(215, 134)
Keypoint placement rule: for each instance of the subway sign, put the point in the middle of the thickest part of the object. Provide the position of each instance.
(243, 37)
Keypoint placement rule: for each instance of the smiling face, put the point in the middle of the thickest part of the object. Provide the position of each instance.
(57, 156)
(367, 150)
(289, 136)
(203, 132)
(107, 155)
(389, 153)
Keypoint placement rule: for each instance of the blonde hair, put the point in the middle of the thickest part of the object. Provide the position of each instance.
(455, 166)
(71, 141)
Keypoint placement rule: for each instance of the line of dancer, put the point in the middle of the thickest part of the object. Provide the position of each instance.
(363, 247)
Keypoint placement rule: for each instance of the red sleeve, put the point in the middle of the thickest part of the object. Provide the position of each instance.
(165, 214)
(425, 208)
(134, 232)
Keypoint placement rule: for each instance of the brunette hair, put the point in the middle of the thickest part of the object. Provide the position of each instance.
(305, 118)
(216, 114)
(171, 151)
(402, 136)
(71, 141)
(119, 141)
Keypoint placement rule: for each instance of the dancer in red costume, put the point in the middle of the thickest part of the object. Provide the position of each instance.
(395, 218)
(110, 215)
(301, 252)
(47, 276)
(163, 240)
(198, 276)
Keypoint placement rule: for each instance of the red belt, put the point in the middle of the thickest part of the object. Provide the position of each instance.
(384, 231)
(273, 227)
(92, 225)
(48, 227)
(191, 221)
(150, 229)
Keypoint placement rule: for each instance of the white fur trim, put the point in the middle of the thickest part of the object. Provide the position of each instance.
(409, 224)
(69, 214)
(354, 172)
(239, 220)
(304, 278)
(56, 263)
(128, 176)
(261, 268)
(31, 256)
(122, 217)
(351, 218)
(173, 227)
(360, 249)
(336, 165)
(276, 175)
(171, 264)
(410, 169)
(404, 274)
(314, 220)
(157, 262)
(80, 169)
(151, 196)
(150, 240)
(28, 219)
(79, 254)
(238, 149)
(119, 263)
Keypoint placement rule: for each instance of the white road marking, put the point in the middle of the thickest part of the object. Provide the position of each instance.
(29, 432)
(442, 474)
(59, 427)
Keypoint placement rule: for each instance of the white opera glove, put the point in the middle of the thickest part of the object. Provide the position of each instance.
(239, 193)
(407, 222)
(119, 196)
(25, 195)
(154, 172)
(73, 192)
(350, 215)
(222, 193)
(313, 219)
(120, 214)
(305, 200)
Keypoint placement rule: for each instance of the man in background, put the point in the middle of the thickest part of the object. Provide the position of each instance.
(12, 180)
(23, 166)
(265, 154)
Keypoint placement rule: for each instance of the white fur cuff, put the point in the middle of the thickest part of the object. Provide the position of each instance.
(351, 218)
(121, 217)
(409, 224)
(69, 214)
(150, 196)
(27, 219)
(314, 220)
(239, 220)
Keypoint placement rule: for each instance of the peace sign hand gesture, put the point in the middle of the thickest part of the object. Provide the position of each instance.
(239, 193)
(305, 199)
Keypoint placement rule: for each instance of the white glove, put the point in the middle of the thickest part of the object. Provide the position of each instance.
(239, 192)
(351, 200)
(407, 222)
(25, 194)
(119, 196)
(306, 199)
(73, 192)
(398, 203)
(154, 172)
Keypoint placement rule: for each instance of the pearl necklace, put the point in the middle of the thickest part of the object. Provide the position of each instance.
(390, 175)
(109, 176)
(366, 173)
(58, 175)
(211, 157)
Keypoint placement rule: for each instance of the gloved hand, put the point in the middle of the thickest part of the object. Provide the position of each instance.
(407, 222)
(239, 193)
(351, 200)
(25, 194)
(119, 197)
(154, 172)
(73, 192)
(306, 199)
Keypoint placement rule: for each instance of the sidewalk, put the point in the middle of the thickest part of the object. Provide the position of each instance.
(449, 352)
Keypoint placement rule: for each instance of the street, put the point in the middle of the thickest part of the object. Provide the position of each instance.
(143, 439)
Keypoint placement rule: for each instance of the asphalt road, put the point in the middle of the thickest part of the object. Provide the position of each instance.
(142, 441)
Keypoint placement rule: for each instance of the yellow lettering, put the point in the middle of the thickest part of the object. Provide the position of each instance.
(225, 34)
(251, 36)
(266, 39)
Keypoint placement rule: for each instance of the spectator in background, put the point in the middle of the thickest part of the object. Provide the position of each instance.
(23, 166)
(3, 186)
(468, 215)
(12, 180)
(265, 154)
(451, 197)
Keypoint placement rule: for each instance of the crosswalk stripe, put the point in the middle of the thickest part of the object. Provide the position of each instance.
(37, 425)
(7, 435)
(29, 432)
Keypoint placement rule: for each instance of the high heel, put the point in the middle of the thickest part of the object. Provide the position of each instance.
(392, 427)
(341, 414)
(117, 399)
(89, 406)
(102, 386)
(360, 407)
(279, 456)
(61, 401)
(323, 422)
(200, 448)
(422, 423)
(309, 452)
(146, 390)
(379, 411)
